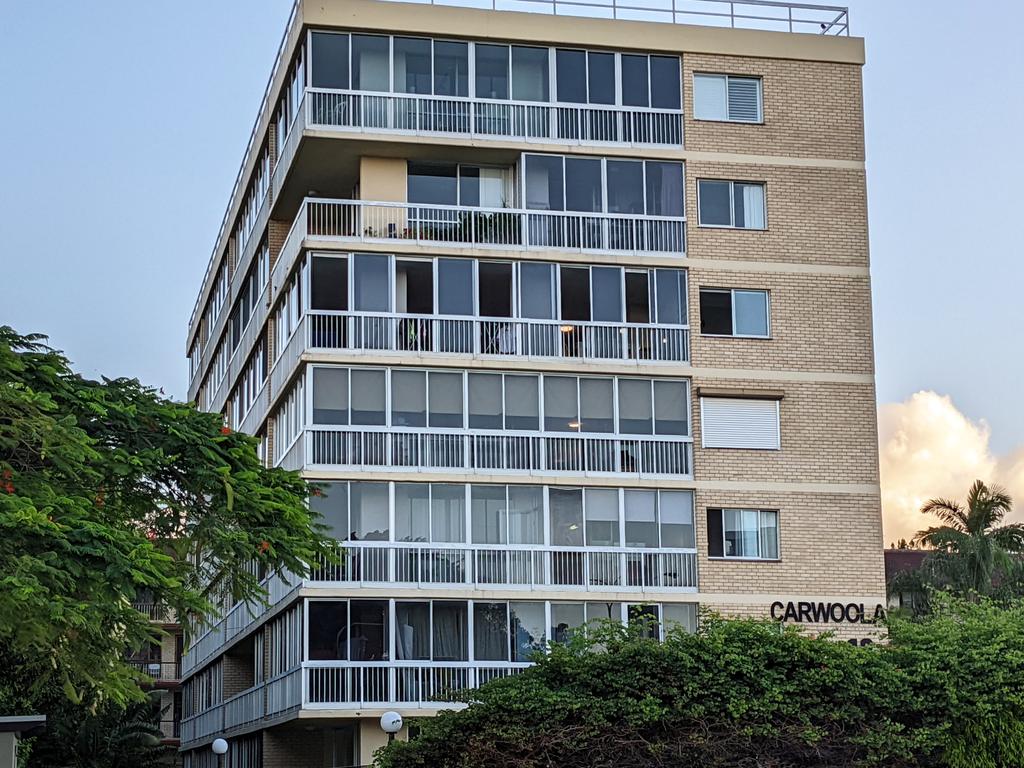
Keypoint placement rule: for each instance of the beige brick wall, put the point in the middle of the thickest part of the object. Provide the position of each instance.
(841, 632)
(815, 216)
(829, 435)
(811, 109)
(818, 323)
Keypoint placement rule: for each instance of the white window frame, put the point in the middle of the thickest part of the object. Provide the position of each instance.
(727, 78)
(761, 513)
(732, 206)
(732, 299)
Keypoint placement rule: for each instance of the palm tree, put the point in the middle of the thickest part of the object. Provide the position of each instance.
(971, 545)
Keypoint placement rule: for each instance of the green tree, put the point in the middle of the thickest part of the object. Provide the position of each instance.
(107, 489)
(971, 544)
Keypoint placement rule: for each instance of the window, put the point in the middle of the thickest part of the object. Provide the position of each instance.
(491, 71)
(722, 97)
(328, 283)
(682, 615)
(329, 60)
(370, 65)
(751, 534)
(341, 746)
(412, 61)
(728, 422)
(734, 312)
(332, 506)
(330, 396)
(735, 204)
(432, 631)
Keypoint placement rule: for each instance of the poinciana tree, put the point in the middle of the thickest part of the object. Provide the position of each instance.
(107, 489)
(971, 545)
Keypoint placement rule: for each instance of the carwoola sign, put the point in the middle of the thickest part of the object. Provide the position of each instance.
(826, 613)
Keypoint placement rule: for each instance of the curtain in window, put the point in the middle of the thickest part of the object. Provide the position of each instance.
(490, 632)
(450, 631)
(753, 206)
(526, 514)
(412, 628)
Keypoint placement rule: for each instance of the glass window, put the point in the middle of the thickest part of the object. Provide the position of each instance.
(341, 746)
(714, 198)
(490, 515)
(646, 616)
(561, 410)
(525, 514)
(571, 76)
(330, 395)
(664, 188)
(575, 292)
(606, 285)
(329, 59)
(566, 618)
(596, 405)
(528, 632)
(521, 403)
(412, 631)
(447, 512)
(583, 185)
(455, 286)
(485, 411)
(604, 612)
(445, 399)
(731, 204)
(741, 532)
(529, 73)
(328, 630)
(544, 183)
(412, 58)
(709, 97)
(676, 512)
(566, 509)
(634, 81)
(368, 396)
(433, 183)
(625, 186)
(751, 309)
(408, 399)
(369, 509)
(491, 71)
(716, 312)
(748, 204)
(635, 410)
(331, 503)
(328, 283)
(641, 519)
(671, 295)
(666, 91)
(451, 68)
(494, 288)
(451, 630)
(371, 277)
(412, 512)
(602, 512)
(370, 63)
(490, 631)
(769, 535)
(369, 630)
(537, 290)
(670, 408)
(721, 97)
(601, 78)
(682, 615)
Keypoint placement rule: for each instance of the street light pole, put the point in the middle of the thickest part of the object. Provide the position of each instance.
(391, 723)
(220, 748)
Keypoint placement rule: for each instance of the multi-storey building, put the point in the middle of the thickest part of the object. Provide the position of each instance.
(572, 318)
(161, 663)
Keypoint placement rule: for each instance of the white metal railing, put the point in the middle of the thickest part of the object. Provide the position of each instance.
(489, 452)
(287, 358)
(496, 336)
(407, 684)
(284, 692)
(256, 413)
(493, 119)
(491, 567)
(245, 707)
(771, 15)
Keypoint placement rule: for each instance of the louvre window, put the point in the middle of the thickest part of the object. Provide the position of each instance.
(723, 97)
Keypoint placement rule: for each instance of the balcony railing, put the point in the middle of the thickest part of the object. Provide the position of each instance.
(339, 448)
(329, 684)
(160, 671)
(492, 119)
(245, 707)
(155, 612)
(569, 340)
(482, 567)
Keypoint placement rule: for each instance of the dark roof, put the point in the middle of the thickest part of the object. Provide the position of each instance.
(900, 560)
(23, 725)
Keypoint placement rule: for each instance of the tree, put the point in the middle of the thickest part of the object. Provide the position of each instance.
(944, 692)
(107, 489)
(971, 545)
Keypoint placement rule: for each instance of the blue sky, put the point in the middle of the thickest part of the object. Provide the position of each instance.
(124, 124)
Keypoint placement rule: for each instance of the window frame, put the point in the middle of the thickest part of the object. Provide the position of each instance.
(732, 307)
(732, 205)
(703, 431)
(761, 514)
(727, 78)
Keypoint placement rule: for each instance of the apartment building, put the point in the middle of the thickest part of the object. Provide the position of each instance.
(161, 663)
(572, 319)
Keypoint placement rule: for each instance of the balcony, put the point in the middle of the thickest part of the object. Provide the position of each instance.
(163, 673)
(491, 119)
(593, 569)
(476, 452)
(156, 612)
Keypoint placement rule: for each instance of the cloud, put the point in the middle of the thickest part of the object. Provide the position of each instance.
(928, 448)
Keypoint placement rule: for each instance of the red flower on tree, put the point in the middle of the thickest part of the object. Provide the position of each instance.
(225, 430)
(264, 546)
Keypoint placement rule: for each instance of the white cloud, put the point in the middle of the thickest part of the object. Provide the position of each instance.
(928, 448)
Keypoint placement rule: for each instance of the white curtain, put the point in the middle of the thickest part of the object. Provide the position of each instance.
(753, 206)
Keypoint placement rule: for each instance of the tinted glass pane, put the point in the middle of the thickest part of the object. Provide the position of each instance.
(412, 625)
(625, 186)
(408, 399)
(451, 69)
(748, 205)
(606, 285)
(536, 286)
(676, 512)
(634, 81)
(601, 78)
(526, 514)
(455, 286)
(769, 535)
(596, 410)
(670, 408)
(641, 519)
(521, 403)
(369, 510)
(433, 183)
(412, 65)
(666, 92)
(716, 312)
(544, 183)
(602, 511)
(369, 630)
(713, 197)
(328, 630)
(664, 189)
(583, 185)
(445, 399)
(566, 508)
(571, 76)
(412, 512)
(329, 279)
(370, 65)
(751, 312)
(447, 513)
(528, 630)
(561, 412)
(575, 288)
(671, 293)
(491, 71)
(490, 631)
(469, 185)
(635, 415)
(451, 631)
(529, 74)
(681, 615)
(715, 546)
(330, 396)
(490, 516)
(329, 58)
(332, 506)
(368, 394)
(485, 395)
(565, 619)
(371, 282)
(645, 616)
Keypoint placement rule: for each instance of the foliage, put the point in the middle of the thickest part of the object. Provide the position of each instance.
(945, 692)
(109, 490)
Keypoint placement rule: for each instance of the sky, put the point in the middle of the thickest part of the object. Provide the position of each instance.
(124, 125)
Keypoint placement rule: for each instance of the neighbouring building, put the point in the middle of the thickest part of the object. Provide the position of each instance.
(571, 316)
(161, 662)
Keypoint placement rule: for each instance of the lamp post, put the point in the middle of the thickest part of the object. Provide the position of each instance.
(391, 723)
(220, 748)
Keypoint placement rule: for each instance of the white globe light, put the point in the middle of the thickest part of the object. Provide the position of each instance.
(391, 722)
(219, 746)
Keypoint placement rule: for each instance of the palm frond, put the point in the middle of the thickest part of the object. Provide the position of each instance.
(949, 512)
(1009, 537)
(943, 537)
